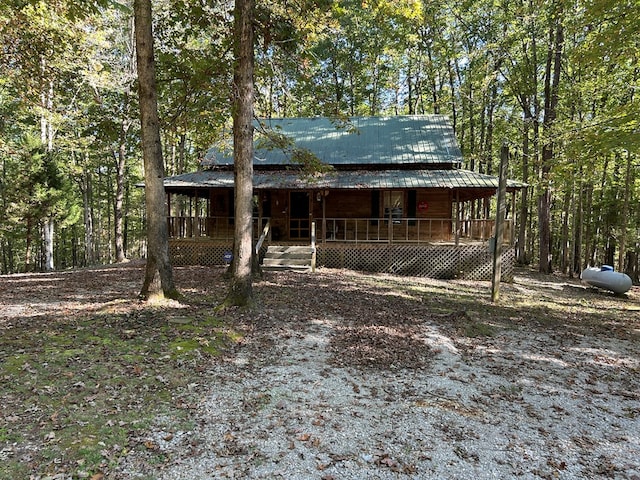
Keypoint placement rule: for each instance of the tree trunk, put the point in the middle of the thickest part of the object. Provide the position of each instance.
(452, 86)
(565, 244)
(597, 219)
(578, 220)
(241, 290)
(48, 230)
(46, 137)
(552, 81)
(625, 214)
(588, 221)
(87, 200)
(521, 252)
(158, 279)
(118, 209)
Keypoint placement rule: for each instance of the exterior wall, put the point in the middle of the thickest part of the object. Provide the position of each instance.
(279, 206)
(346, 204)
(221, 203)
(434, 204)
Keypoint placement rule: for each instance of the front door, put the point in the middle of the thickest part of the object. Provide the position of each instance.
(299, 215)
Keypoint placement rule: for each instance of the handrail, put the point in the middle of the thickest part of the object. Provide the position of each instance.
(265, 232)
(411, 230)
(350, 230)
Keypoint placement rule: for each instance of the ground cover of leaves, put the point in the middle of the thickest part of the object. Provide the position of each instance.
(335, 375)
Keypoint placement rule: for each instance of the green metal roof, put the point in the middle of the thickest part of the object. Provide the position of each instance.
(386, 179)
(397, 140)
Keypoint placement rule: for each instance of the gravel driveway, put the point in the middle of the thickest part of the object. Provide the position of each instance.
(389, 386)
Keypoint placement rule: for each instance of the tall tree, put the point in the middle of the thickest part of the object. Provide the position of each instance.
(241, 291)
(551, 86)
(158, 279)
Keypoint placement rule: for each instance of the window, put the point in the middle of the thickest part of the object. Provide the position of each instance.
(393, 204)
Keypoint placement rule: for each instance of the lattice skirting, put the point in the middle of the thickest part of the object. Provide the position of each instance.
(471, 262)
(189, 252)
(201, 252)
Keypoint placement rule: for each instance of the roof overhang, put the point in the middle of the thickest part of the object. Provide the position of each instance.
(470, 184)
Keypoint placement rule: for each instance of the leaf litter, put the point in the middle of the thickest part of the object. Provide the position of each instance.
(337, 375)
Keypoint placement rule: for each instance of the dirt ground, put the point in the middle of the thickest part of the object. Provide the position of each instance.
(335, 375)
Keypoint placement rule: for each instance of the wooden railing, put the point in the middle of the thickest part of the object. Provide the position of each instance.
(263, 237)
(220, 228)
(352, 230)
(408, 230)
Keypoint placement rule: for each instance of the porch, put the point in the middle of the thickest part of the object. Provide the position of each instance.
(436, 248)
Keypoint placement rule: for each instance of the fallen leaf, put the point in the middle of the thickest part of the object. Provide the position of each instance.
(151, 445)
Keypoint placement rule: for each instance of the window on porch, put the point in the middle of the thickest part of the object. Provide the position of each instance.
(393, 204)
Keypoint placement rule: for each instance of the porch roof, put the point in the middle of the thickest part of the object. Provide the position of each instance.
(359, 141)
(343, 180)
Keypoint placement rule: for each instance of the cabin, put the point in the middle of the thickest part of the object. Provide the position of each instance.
(367, 193)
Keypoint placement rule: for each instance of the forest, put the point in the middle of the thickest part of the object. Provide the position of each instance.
(555, 81)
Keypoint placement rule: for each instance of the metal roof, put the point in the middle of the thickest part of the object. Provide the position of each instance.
(386, 179)
(396, 140)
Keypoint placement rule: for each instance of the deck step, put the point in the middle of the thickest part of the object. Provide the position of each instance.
(287, 257)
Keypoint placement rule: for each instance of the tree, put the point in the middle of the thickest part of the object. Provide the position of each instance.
(551, 86)
(240, 292)
(158, 279)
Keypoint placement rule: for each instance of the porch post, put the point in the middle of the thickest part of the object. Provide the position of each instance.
(169, 214)
(457, 221)
(190, 218)
(208, 220)
(324, 218)
(313, 246)
(512, 238)
(196, 219)
(311, 200)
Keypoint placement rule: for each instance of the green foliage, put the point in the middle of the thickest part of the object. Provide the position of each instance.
(482, 63)
(310, 164)
(41, 188)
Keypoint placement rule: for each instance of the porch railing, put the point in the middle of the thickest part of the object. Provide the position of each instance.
(220, 228)
(408, 230)
(351, 230)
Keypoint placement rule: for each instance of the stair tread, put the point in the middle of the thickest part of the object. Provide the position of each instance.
(288, 257)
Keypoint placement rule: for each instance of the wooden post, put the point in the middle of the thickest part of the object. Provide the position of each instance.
(313, 247)
(324, 218)
(457, 221)
(497, 247)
